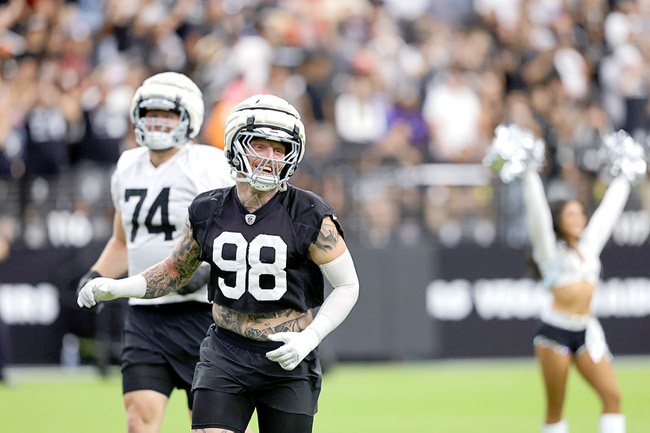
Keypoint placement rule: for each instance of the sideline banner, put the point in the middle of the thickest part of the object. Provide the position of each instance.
(416, 302)
(485, 303)
(38, 300)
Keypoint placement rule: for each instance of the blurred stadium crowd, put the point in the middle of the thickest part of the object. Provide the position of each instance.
(400, 100)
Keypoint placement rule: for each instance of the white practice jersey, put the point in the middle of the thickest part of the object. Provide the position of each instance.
(154, 201)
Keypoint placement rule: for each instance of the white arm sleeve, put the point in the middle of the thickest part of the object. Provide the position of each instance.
(106, 289)
(538, 217)
(342, 274)
(602, 222)
(131, 287)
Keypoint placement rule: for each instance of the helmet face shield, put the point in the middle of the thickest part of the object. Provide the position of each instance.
(159, 133)
(266, 173)
(264, 117)
(167, 91)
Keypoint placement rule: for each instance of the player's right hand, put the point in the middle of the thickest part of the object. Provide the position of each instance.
(98, 289)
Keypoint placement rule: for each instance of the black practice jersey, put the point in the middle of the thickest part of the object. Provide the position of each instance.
(259, 261)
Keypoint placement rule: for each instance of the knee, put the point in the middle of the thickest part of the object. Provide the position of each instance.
(139, 419)
(611, 400)
(135, 422)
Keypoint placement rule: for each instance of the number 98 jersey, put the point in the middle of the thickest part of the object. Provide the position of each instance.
(260, 260)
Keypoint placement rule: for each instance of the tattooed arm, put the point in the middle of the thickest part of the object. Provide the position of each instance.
(176, 270)
(158, 280)
(329, 244)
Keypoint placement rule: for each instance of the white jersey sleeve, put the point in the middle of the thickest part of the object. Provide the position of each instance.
(153, 202)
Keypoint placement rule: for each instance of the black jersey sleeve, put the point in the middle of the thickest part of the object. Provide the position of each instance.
(309, 209)
(203, 208)
(206, 204)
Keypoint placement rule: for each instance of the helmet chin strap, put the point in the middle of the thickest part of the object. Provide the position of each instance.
(258, 184)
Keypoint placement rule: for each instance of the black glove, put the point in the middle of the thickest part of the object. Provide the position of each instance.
(198, 280)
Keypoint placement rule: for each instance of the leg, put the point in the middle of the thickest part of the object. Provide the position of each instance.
(215, 411)
(555, 370)
(144, 411)
(600, 375)
(275, 421)
(146, 390)
(190, 401)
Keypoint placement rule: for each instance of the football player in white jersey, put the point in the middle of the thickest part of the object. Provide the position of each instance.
(152, 187)
(269, 245)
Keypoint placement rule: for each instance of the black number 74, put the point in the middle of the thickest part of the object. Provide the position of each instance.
(161, 202)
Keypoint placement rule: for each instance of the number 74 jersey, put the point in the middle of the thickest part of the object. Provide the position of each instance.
(260, 261)
(153, 201)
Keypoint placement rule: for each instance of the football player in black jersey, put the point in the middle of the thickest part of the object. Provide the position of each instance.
(269, 245)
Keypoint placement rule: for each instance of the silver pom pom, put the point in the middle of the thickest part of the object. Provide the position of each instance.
(620, 154)
(513, 152)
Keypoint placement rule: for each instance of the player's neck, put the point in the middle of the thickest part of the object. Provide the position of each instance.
(251, 198)
(157, 157)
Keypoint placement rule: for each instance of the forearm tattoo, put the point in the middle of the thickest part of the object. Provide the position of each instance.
(328, 236)
(177, 269)
(260, 326)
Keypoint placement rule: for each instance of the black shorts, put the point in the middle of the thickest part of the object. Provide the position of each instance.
(573, 341)
(160, 346)
(243, 378)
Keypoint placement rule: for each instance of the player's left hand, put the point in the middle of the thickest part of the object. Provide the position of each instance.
(98, 289)
(296, 346)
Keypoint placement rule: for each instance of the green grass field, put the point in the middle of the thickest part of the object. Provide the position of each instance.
(447, 397)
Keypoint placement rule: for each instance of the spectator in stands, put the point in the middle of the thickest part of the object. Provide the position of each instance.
(503, 48)
(360, 113)
(452, 110)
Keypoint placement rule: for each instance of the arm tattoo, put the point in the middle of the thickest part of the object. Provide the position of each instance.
(328, 236)
(177, 269)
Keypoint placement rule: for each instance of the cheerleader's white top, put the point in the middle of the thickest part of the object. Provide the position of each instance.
(560, 265)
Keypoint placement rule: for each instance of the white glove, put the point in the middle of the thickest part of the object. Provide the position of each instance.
(106, 289)
(296, 346)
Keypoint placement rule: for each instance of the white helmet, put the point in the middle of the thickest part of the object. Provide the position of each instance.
(272, 118)
(169, 91)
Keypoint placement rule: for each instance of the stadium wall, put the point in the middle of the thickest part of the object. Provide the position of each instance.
(420, 302)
